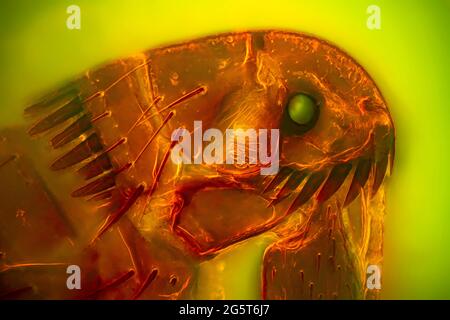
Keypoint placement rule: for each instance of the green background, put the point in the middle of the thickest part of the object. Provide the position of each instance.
(408, 58)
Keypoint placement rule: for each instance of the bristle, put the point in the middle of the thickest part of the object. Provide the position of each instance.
(112, 284)
(114, 217)
(8, 160)
(105, 195)
(148, 280)
(166, 119)
(161, 167)
(16, 293)
(183, 98)
(101, 116)
(144, 114)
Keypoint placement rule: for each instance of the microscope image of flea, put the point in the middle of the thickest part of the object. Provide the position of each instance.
(91, 182)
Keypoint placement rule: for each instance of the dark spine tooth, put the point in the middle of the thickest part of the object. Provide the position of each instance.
(96, 167)
(64, 113)
(310, 187)
(72, 132)
(96, 186)
(392, 157)
(335, 179)
(359, 180)
(379, 173)
(279, 178)
(293, 182)
(53, 100)
(81, 152)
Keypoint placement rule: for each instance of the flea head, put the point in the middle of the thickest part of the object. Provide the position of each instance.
(336, 137)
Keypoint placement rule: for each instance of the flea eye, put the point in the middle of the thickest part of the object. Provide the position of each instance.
(300, 115)
(302, 109)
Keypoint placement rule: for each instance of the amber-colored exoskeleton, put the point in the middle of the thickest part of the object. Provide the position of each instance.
(91, 183)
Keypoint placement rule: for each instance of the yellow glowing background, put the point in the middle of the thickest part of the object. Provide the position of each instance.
(409, 59)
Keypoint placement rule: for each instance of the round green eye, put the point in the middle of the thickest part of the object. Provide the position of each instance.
(302, 109)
